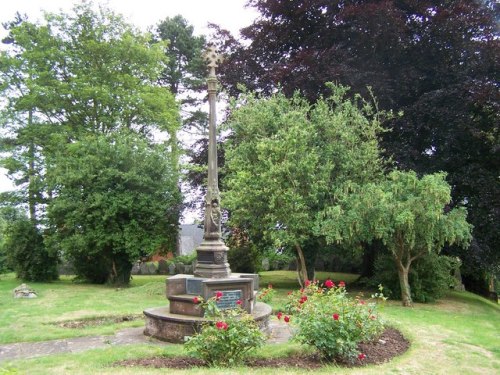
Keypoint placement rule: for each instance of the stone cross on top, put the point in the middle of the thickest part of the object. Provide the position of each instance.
(213, 59)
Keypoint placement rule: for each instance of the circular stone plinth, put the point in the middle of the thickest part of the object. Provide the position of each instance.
(163, 325)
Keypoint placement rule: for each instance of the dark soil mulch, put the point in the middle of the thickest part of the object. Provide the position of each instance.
(389, 345)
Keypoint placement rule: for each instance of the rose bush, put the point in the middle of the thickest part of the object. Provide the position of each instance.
(327, 319)
(228, 338)
(266, 294)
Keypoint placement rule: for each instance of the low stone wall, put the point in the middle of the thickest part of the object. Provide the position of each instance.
(162, 267)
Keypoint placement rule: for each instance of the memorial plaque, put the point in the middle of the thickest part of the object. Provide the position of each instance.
(205, 257)
(194, 286)
(229, 299)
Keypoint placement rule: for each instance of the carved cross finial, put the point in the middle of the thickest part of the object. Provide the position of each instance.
(213, 59)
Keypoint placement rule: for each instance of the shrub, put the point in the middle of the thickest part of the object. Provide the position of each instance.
(185, 259)
(330, 321)
(243, 255)
(227, 339)
(266, 294)
(278, 260)
(430, 277)
(26, 252)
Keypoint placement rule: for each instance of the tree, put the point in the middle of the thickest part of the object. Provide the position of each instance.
(184, 74)
(436, 62)
(115, 200)
(25, 72)
(286, 160)
(24, 248)
(8, 215)
(410, 215)
(80, 73)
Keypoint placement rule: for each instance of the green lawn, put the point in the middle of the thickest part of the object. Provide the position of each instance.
(457, 335)
(63, 300)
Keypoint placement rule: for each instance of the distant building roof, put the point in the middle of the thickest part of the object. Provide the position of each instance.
(191, 237)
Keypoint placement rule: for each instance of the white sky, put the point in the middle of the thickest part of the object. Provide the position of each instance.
(229, 14)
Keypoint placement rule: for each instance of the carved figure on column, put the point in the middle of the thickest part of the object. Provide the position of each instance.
(213, 219)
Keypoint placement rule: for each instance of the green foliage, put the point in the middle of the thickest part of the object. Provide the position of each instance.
(26, 253)
(266, 294)
(331, 322)
(85, 72)
(7, 217)
(408, 214)
(243, 255)
(286, 160)
(116, 200)
(278, 259)
(227, 339)
(184, 259)
(244, 259)
(435, 62)
(185, 67)
(430, 278)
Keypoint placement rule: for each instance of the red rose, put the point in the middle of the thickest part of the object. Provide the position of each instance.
(361, 356)
(335, 316)
(308, 283)
(286, 319)
(196, 300)
(279, 315)
(341, 284)
(221, 325)
(329, 284)
(239, 302)
(218, 295)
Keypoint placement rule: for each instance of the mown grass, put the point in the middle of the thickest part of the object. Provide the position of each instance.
(36, 319)
(456, 335)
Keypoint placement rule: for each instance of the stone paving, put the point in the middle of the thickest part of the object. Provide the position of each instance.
(279, 333)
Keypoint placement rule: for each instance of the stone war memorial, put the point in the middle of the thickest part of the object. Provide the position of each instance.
(212, 274)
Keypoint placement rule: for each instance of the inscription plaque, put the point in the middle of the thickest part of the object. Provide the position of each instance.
(194, 286)
(229, 299)
(205, 257)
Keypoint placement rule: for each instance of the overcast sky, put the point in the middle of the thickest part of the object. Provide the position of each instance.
(229, 14)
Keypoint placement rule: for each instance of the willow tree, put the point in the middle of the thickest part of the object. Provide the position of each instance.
(286, 159)
(410, 215)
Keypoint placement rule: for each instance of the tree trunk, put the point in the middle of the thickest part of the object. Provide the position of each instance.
(31, 173)
(404, 284)
(310, 251)
(301, 265)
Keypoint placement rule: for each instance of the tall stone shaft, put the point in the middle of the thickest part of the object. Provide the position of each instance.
(212, 252)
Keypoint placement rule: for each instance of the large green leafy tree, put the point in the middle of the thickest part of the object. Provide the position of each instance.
(410, 216)
(286, 160)
(184, 74)
(115, 199)
(436, 61)
(79, 73)
(86, 73)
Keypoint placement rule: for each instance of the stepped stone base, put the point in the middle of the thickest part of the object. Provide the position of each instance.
(166, 326)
